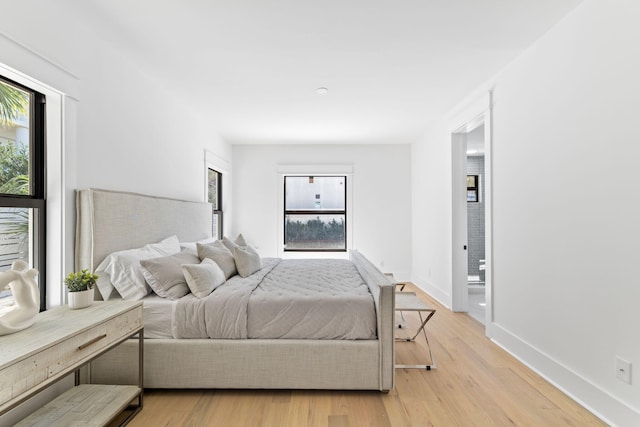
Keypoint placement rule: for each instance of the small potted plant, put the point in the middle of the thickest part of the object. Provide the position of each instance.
(80, 287)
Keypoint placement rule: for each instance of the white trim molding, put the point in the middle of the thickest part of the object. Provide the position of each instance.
(32, 67)
(569, 382)
(60, 123)
(325, 169)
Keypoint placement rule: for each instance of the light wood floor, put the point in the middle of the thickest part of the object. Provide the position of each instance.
(475, 384)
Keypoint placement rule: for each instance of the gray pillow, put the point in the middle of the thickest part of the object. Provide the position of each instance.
(165, 276)
(203, 278)
(219, 253)
(247, 260)
(191, 246)
(231, 245)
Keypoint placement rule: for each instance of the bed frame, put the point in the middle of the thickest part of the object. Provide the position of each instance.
(108, 221)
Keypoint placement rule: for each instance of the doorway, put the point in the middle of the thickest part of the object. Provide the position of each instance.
(476, 254)
(471, 219)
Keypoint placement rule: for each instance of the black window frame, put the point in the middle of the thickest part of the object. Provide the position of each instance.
(36, 199)
(217, 212)
(313, 212)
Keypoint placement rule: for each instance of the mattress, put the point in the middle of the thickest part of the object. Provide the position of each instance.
(288, 299)
(157, 314)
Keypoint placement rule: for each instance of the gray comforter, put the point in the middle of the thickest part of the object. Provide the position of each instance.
(295, 299)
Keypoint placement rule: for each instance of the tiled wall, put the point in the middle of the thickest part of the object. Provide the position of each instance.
(475, 219)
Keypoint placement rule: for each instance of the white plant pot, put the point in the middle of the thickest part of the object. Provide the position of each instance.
(80, 299)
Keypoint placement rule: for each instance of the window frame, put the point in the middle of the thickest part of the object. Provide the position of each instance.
(36, 199)
(343, 212)
(217, 212)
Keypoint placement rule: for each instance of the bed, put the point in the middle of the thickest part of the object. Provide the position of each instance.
(111, 221)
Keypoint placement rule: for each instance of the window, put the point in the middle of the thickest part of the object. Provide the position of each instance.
(22, 183)
(214, 197)
(472, 188)
(315, 213)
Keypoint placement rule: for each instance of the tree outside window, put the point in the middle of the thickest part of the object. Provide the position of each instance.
(22, 202)
(315, 213)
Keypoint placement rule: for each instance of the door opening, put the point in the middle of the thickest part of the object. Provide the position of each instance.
(471, 219)
(476, 255)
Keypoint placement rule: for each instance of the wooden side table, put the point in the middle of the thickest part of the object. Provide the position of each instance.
(408, 301)
(60, 343)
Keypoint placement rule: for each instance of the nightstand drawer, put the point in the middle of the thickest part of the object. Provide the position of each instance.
(64, 356)
(89, 344)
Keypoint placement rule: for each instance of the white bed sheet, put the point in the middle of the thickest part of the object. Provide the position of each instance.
(157, 314)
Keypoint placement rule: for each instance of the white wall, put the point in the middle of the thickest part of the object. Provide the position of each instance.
(132, 133)
(381, 197)
(121, 130)
(118, 128)
(565, 228)
(145, 140)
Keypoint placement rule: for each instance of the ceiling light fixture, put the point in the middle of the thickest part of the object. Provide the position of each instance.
(322, 90)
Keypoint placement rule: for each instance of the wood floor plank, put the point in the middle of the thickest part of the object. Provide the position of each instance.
(476, 383)
(395, 409)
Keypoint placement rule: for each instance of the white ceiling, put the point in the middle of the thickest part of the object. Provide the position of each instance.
(391, 67)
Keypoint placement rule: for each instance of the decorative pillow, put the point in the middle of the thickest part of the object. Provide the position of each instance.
(219, 253)
(121, 270)
(203, 278)
(231, 245)
(165, 275)
(240, 240)
(247, 260)
(191, 246)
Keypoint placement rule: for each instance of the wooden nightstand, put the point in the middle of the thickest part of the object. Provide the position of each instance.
(59, 343)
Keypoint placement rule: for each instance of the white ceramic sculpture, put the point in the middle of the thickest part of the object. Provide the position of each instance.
(26, 294)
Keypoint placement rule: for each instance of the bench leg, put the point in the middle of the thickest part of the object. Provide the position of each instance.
(424, 321)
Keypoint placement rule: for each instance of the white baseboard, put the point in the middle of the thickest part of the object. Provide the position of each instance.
(442, 297)
(608, 408)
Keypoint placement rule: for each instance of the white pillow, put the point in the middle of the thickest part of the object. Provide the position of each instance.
(203, 278)
(121, 270)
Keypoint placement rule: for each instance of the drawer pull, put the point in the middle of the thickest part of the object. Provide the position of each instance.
(96, 339)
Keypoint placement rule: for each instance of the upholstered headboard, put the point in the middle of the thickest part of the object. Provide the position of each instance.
(109, 221)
